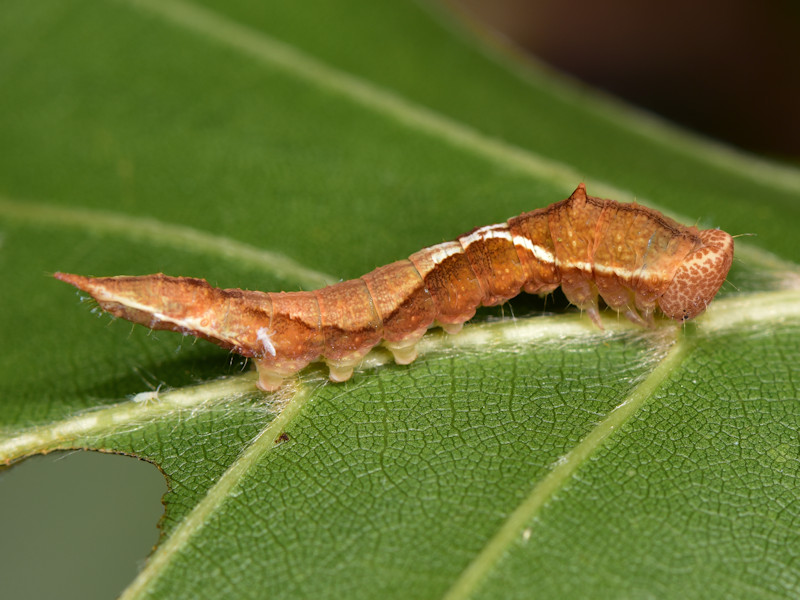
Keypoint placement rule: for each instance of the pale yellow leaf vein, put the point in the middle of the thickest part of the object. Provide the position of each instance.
(149, 406)
(220, 492)
(165, 234)
(142, 409)
(764, 311)
(785, 274)
(514, 527)
(727, 314)
(296, 63)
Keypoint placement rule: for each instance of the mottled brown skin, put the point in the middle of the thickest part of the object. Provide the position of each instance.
(633, 257)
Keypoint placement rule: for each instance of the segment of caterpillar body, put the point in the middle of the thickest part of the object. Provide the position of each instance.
(632, 256)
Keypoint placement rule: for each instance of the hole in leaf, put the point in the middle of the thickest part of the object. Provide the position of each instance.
(76, 524)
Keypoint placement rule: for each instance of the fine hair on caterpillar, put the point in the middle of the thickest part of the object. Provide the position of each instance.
(633, 257)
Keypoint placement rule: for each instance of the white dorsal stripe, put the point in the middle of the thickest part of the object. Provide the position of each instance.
(200, 323)
(441, 252)
(620, 272)
(539, 252)
(580, 265)
(497, 231)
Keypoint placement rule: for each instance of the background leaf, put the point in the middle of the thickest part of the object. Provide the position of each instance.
(276, 147)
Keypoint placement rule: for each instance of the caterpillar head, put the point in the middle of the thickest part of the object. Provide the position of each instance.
(699, 277)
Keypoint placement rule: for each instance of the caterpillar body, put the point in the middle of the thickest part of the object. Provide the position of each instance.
(633, 257)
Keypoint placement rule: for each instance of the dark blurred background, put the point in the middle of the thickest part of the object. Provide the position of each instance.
(729, 69)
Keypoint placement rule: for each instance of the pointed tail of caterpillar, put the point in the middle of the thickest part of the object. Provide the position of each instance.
(632, 256)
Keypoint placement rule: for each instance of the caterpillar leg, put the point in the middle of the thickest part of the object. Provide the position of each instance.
(342, 370)
(581, 292)
(451, 328)
(405, 351)
(618, 296)
(339, 373)
(633, 316)
(647, 316)
(405, 355)
(269, 379)
(594, 314)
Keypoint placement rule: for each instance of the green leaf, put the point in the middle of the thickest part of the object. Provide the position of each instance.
(280, 146)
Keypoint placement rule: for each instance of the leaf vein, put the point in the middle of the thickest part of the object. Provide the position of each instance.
(296, 63)
(519, 520)
(221, 491)
(154, 231)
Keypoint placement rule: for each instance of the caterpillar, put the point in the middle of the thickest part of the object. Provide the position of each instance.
(633, 257)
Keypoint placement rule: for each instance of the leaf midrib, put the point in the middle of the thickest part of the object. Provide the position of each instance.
(758, 310)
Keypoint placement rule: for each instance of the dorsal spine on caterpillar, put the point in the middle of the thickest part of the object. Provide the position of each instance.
(632, 256)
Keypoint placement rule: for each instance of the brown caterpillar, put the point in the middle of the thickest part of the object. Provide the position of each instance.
(632, 256)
